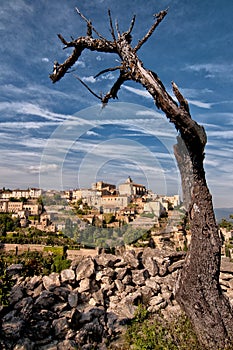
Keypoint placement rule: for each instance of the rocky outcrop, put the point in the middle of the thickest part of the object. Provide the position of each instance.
(88, 305)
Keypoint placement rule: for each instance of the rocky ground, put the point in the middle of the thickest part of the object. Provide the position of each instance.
(89, 305)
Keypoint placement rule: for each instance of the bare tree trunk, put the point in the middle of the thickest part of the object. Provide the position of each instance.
(198, 290)
(186, 172)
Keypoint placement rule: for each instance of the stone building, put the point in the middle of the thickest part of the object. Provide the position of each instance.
(130, 188)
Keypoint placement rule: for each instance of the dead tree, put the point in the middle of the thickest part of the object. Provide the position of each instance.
(198, 290)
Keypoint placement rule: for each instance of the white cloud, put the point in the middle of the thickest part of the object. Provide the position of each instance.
(108, 76)
(37, 169)
(80, 64)
(89, 79)
(45, 59)
(148, 113)
(91, 133)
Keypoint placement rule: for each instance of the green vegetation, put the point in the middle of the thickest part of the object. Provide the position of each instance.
(93, 236)
(81, 208)
(6, 283)
(159, 333)
(227, 224)
(34, 263)
(7, 223)
(54, 199)
(108, 218)
(33, 235)
(52, 259)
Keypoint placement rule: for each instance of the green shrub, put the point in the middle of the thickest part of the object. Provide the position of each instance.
(60, 263)
(157, 333)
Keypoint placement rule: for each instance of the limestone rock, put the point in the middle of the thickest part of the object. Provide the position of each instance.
(16, 294)
(139, 277)
(45, 300)
(67, 275)
(73, 299)
(85, 269)
(14, 269)
(51, 281)
(130, 258)
(107, 260)
(151, 265)
(60, 327)
(84, 285)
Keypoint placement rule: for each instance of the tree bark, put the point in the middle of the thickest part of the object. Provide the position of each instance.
(185, 167)
(198, 290)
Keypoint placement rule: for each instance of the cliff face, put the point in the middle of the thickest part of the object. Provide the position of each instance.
(89, 303)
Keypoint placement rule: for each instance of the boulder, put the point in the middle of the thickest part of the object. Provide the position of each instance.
(14, 269)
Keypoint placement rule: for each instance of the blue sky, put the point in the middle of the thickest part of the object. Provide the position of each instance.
(57, 135)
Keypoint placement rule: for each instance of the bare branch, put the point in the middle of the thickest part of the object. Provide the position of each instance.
(124, 76)
(79, 45)
(63, 40)
(111, 25)
(182, 101)
(131, 25)
(108, 70)
(89, 29)
(87, 87)
(63, 68)
(160, 16)
(117, 29)
(89, 24)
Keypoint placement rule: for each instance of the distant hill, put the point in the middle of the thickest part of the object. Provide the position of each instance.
(223, 213)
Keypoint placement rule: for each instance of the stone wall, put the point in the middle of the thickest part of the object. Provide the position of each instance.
(90, 304)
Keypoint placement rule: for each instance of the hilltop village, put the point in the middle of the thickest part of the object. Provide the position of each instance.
(102, 205)
(130, 212)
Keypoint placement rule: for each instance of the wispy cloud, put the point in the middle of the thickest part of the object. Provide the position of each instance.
(146, 94)
(139, 92)
(200, 104)
(212, 70)
(221, 134)
(27, 108)
(38, 169)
